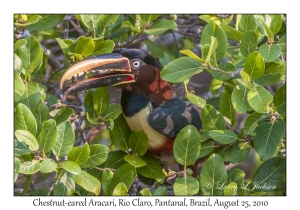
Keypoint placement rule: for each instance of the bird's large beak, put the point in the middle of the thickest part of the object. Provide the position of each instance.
(98, 71)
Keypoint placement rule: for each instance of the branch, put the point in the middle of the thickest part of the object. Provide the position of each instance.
(47, 183)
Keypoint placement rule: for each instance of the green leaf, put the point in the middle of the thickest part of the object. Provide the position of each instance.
(231, 33)
(279, 100)
(239, 152)
(27, 138)
(161, 26)
(126, 174)
(48, 166)
(64, 186)
(70, 166)
(246, 79)
(93, 23)
(107, 177)
(259, 99)
(120, 133)
(226, 107)
(101, 100)
(268, 137)
(187, 145)
(212, 49)
(271, 173)
(230, 189)
(212, 119)
(115, 159)
(251, 123)
(51, 99)
(223, 136)
(227, 67)
(31, 55)
(198, 101)
(113, 111)
(63, 114)
(19, 86)
(248, 43)
(41, 114)
(138, 142)
(213, 30)
(21, 149)
(30, 97)
(24, 119)
(79, 154)
(213, 174)
(268, 30)
(191, 55)
(185, 186)
(153, 169)
(269, 52)
(254, 65)
(87, 182)
(120, 190)
(30, 167)
(102, 47)
(247, 23)
(19, 43)
(271, 75)
(160, 191)
(239, 99)
(181, 69)
(276, 24)
(46, 22)
(84, 46)
(17, 164)
(145, 192)
(206, 148)
(98, 155)
(223, 152)
(236, 175)
(134, 160)
(47, 136)
(64, 141)
(67, 46)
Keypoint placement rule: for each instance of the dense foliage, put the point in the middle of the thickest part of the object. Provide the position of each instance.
(54, 140)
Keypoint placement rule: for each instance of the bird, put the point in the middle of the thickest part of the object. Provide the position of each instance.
(148, 102)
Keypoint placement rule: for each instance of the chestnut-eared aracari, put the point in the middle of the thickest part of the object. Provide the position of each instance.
(148, 102)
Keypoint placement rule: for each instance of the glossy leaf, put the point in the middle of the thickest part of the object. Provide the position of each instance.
(41, 114)
(280, 100)
(268, 30)
(115, 159)
(239, 152)
(194, 99)
(213, 30)
(107, 177)
(24, 119)
(126, 174)
(113, 111)
(268, 137)
(30, 167)
(79, 154)
(134, 160)
(93, 23)
(48, 166)
(230, 189)
(46, 22)
(17, 164)
(232, 33)
(269, 52)
(270, 173)
(191, 54)
(145, 192)
(153, 169)
(102, 47)
(227, 67)
(30, 97)
(120, 133)
(70, 166)
(254, 65)
(67, 46)
(276, 24)
(248, 43)
(213, 174)
(212, 119)
(64, 141)
(223, 152)
(212, 48)
(271, 75)
(206, 148)
(120, 190)
(19, 85)
(223, 136)
(185, 186)
(63, 114)
(251, 123)
(27, 138)
(138, 142)
(246, 79)
(259, 99)
(160, 191)
(87, 182)
(226, 107)
(64, 186)
(47, 136)
(101, 99)
(187, 145)
(247, 23)
(236, 175)
(21, 149)
(161, 26)
(239, 99)
(181, 69)
(84, 46)
(98, 155)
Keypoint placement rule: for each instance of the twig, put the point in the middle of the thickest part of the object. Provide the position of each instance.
(131, 41)
(103, 169)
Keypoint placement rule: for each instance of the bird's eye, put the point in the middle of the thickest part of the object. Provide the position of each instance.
(136, 63)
